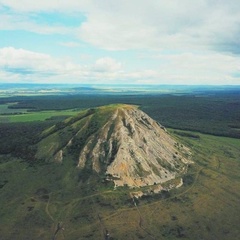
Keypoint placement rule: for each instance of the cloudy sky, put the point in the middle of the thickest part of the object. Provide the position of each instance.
(120, 41)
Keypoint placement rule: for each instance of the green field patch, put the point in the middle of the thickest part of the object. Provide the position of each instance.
(36, 116)
(5, 110)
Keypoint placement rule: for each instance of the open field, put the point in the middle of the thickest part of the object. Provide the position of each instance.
(36, 199)
(34, 116)
(5, 109)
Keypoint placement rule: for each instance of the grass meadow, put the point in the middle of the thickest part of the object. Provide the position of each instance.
(36, 199)
(34, 116)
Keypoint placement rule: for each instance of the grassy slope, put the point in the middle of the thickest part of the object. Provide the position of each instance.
(206, 207)
(76, 129)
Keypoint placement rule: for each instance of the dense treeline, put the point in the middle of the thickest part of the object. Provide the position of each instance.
(39, 103)
(19, 138)
(217, 114)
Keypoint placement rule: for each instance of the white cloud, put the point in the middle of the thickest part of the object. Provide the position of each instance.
(45, 5)
(11, 57)
(107, 64)
(188, 68)
(162, 24)
(20, 21)
(200, 36)
(23, 65)
(138, 24)
(19, 65)
(70, 44)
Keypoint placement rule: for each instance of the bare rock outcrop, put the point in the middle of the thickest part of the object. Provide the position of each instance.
(135, 150)
(118, 141)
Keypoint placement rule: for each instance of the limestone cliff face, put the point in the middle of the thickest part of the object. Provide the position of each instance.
(136, 150)
(118, 141)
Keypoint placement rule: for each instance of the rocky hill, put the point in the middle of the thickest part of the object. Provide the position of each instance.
(117, 141)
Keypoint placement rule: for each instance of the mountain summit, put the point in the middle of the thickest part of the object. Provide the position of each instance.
(120, 141)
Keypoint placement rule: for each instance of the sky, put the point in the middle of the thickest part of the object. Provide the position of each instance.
(120, 42)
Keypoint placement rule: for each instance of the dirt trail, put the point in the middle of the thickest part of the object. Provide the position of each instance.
(47, 209)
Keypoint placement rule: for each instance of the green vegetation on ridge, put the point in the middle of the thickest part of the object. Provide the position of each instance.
(76, 129)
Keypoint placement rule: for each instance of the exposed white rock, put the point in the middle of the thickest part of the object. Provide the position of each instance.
(59, 156)
(180, 184)
(136, 150)
(120, 141)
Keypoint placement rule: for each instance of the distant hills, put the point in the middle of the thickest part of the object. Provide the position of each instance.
(12, 89)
